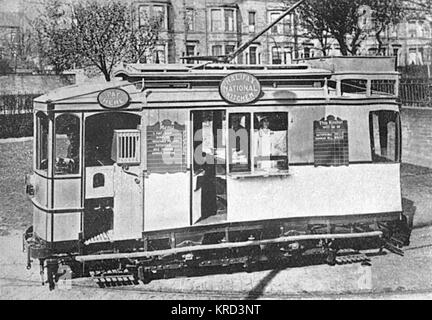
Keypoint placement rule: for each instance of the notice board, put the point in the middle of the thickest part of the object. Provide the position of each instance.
(331, 142)
(166, 147)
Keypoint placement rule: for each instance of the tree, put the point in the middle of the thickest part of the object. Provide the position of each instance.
(341, 19)
(315, 26)
(96, 33)
(384, 14)
(54, 40)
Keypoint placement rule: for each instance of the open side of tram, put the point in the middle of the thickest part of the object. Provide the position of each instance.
(175, 167)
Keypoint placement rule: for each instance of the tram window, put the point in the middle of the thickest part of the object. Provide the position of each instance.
(239, 139)
(41, 141)
(354, 86)
(270, 141)
(209, 139)
(385, 136)
(98, 180)
(67, 144)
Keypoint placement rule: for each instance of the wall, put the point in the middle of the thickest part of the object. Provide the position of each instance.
(417, 136)
(32, 83)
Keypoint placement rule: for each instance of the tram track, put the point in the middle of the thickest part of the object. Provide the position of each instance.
(223, 295)
(263, 284)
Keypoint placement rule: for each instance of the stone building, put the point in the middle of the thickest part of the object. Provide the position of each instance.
(215, 27)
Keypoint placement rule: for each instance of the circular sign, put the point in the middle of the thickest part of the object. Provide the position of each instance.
(240, 88)
(113, 98)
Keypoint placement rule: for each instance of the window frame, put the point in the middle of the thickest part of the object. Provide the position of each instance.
(222, 21)
(215, 46)
(190, 19)
(38, 144)
(80, 147)
(219, 20)
(277, 29)
(251, 22)
(252, 171)
(398, 136)
(150, 9)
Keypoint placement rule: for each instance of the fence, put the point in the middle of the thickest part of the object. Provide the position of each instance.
(16, 115)
(416, 92)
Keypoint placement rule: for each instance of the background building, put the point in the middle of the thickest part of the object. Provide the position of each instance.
(215, 27)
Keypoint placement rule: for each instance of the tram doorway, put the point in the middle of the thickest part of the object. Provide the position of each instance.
(209, 191)
(114, 187)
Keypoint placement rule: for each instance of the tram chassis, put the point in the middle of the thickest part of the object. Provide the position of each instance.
(187, 250)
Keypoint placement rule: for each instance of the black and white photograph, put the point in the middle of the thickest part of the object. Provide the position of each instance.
(234, 151)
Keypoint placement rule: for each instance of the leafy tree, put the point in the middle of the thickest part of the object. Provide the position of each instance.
(384, 14)
(340, 19)
(54, 40)
(95, 33)
(315, 25)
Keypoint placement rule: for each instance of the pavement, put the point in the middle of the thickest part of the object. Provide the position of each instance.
(388, 277)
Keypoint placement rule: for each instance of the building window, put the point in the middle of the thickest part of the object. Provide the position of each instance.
(278, 27)
(216, 20)
(307, 52)
(276, 55)
(412, 29)
(152, 12)
(384, 129)
(159, 54)
(252, 21)
(190, 19)
(217, 50)
(229, 49)
(287, 55)
(144, 15)
(229, 20)
(190, 52)
(287, 24)
(228, 24)
(252, 55)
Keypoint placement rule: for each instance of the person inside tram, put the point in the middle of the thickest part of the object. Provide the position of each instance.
(69, 163)
(238, 140)
(264, 144)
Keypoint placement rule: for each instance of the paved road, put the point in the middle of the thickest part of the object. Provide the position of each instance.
(390, 276)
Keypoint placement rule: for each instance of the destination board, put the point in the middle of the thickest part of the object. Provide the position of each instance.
(166, 147)
(331, 142)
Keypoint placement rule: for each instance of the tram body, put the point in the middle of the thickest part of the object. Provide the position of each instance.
(178, 162)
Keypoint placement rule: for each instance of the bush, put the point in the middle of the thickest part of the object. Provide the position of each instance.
(16, 125)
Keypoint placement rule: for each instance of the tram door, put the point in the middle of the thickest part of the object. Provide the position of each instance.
(114, 178)
(209, 201)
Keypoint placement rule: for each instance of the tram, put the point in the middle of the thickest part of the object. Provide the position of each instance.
(175, 167)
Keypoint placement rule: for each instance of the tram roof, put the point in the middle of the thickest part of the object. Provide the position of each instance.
(135, 78)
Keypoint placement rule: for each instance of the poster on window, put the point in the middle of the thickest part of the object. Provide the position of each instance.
(331, 142)
(166, 147)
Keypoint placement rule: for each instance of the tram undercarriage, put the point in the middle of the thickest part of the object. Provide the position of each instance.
(221, 248)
